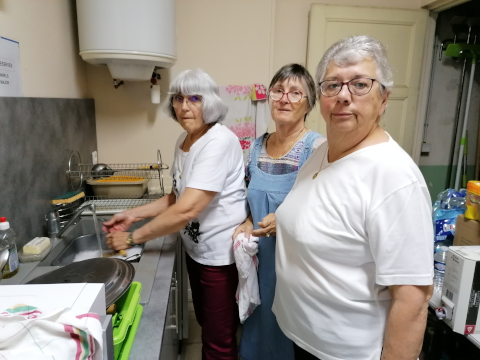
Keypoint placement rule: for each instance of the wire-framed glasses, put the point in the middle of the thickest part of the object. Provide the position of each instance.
(358, 86)
(194, 100)
(293, 96)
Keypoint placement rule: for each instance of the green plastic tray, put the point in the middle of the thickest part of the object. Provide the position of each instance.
(122, 321)
(128, 343)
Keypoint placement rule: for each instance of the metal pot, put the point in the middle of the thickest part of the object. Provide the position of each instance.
(116, 274)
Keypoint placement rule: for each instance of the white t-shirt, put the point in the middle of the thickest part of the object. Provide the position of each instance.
(363, 224)
(214, 163)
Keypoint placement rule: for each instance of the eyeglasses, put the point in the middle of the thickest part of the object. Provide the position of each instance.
(358, 87)
(178, 100)
(293, 96)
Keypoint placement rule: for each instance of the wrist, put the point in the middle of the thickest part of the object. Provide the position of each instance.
(130, 240)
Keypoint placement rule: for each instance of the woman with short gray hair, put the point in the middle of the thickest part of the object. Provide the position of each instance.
(271, 170)
(354, 236)
(206, 204)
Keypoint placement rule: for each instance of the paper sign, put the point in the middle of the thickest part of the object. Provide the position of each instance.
(10, 81)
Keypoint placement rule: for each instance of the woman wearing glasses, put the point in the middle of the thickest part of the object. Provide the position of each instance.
(354, 236)
(206, 204)
(270, 172)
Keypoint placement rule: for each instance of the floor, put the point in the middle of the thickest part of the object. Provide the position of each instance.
(192, 347)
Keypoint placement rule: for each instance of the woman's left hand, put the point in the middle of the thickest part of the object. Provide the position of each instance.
(118, 240)
(268, 226)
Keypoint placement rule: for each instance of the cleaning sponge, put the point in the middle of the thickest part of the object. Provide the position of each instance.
(36, 246)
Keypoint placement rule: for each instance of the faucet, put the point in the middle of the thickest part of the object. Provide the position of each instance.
(75, 217)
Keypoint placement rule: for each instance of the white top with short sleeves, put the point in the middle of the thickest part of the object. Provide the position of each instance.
(362, 225)
(214, 163)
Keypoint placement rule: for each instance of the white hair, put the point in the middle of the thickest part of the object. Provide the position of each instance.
(198, 82)
(352, 50)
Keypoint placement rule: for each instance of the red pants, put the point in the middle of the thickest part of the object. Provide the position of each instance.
(213, 295)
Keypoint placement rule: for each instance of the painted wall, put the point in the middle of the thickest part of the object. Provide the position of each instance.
(47, 33)
(246, 44)
(444, 92)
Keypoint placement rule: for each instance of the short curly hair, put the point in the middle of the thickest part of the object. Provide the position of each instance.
(352, 50)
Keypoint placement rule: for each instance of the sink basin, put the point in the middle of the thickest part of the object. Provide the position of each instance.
(82, 248)
(78, 241)
(74, 241)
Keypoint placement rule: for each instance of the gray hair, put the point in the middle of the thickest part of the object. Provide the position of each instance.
(352, 50)
(198, 82)
(297, 72)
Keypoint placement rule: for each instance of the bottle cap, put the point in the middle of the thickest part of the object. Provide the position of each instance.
(4, 224)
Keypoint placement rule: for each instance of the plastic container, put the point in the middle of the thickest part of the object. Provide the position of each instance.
(439, 268)
(472, 200)
(123, 321)
(24, 258)
(119, 189)
(8, 240)
(447, 207)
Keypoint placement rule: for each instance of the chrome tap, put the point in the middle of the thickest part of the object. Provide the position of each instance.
(75, 217)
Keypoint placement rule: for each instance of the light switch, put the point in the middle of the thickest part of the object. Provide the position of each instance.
(94, 157)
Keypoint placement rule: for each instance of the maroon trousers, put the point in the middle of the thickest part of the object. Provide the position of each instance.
(213, 295)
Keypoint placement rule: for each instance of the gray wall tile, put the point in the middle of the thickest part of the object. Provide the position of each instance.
(37, 136)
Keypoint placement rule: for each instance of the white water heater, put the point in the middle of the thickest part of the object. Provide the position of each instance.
(131, 37)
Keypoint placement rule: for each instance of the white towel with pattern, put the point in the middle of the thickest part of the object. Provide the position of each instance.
(248, 295)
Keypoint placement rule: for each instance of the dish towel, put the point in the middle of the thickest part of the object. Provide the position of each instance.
(26, 333)
(248, 295)
(248, 113)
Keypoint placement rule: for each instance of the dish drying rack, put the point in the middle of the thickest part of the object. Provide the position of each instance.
(80, 171)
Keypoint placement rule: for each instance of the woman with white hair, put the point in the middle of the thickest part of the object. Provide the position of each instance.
(354, 255)
(206, 204)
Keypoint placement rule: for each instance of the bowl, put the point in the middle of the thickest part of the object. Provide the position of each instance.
(101, 170)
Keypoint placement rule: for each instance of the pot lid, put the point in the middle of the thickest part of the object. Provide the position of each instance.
(116, 274)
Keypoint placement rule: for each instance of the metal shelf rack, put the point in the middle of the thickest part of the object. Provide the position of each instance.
(78, 170)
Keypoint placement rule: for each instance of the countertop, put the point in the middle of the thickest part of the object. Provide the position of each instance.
(148, 339)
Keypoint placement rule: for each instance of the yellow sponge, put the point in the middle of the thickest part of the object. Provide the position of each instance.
(36, 246)
(68, 197)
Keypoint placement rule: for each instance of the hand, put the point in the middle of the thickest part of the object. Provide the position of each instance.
(268, 226)
(118, 240)
(246, 228)
(119, 222)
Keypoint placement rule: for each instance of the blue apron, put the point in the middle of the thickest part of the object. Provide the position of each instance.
(262, 338)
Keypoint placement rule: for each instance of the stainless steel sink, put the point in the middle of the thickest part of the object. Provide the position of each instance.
(72, 242)
(79, 238)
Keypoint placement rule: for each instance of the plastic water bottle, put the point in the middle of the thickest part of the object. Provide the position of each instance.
(439, 260)
(449, 205)
(8, 240)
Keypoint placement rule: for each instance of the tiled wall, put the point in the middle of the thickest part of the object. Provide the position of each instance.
(37, 136)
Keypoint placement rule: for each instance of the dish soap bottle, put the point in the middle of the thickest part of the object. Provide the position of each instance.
(7, 240)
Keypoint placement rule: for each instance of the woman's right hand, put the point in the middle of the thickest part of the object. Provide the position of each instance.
(246, 227)
(119, 222)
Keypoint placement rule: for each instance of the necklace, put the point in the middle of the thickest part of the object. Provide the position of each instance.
(324, 156)
(290, 145)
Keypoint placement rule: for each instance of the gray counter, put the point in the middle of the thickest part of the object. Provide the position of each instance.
(150, 333)
(149, 337)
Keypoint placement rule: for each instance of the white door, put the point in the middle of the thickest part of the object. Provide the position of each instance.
(402, 32)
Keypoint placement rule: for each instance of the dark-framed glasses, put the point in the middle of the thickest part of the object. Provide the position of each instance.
(293, 96)
(194, 100)
(358, 86)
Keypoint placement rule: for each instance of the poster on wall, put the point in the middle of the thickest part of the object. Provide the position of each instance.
(10, 81)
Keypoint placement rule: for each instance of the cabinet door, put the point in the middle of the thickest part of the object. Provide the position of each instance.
(402, 32)
(170, 333)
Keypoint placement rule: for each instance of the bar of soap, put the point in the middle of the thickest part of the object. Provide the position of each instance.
(36, 246)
